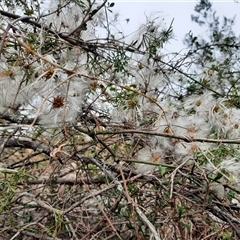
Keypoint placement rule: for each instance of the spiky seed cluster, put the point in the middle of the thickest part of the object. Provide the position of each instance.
(58, 102)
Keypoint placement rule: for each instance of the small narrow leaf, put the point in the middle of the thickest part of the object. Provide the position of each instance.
(93, 12)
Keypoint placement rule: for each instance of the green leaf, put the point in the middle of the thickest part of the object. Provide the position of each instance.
(180, 211)
(162, 170)
(93, 12)
(219, 175)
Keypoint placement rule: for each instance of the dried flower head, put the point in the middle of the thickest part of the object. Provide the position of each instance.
(191, 129)
(29, 49)
(58, 102)
(236, 125)
(49, 72)
(6, 73)
(167, 130)
(155, 157)
(216, 108)
(198, 103)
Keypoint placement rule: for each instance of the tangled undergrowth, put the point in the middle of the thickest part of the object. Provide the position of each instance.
(78, 190)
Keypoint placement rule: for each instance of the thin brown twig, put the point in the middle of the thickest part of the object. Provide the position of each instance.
(129, 199)
(173, 175)
(87, 18)
(104, 213)
(10, 25)
(76, 204)
(215, 233)
(4, 142)
(64, 36)
(28, 233)
(184, 138)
